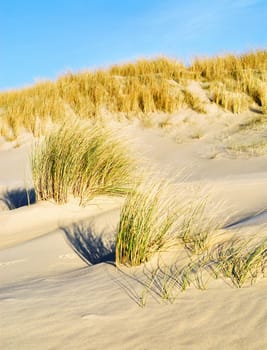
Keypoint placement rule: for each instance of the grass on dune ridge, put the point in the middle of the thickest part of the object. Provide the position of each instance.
(80, 161)
(136, 89)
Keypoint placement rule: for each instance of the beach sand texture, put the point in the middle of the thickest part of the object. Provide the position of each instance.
(51, 299)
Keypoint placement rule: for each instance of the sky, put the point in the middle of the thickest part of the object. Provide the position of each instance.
(43, 39)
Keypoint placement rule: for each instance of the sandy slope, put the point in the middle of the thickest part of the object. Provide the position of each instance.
(51, 299)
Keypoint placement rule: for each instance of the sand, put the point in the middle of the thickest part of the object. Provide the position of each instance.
(50, 298)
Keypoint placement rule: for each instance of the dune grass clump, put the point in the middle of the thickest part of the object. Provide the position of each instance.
(147, 223)
(240, 260)
(81, 161)
(242, 76)
(234, 102)
(193, 101)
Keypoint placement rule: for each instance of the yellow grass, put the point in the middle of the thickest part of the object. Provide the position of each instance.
(235, 102)
(246, 73)
(136, 89)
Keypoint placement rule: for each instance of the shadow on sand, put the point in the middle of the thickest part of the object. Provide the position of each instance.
(91, 248)
(18, 197)
(251, 219)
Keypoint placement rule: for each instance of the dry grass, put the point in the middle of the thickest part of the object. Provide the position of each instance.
(80, 161)
(135, 89)
(193, 101)
(246, 74)
(162, 67)
(234, 102)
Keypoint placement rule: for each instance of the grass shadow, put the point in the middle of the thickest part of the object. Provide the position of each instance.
(18, 198)
(91, 249)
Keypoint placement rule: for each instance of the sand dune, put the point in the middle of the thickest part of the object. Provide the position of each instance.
(50, 298)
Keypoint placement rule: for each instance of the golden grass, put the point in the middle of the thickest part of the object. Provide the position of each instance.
(193, 101)
(246, 74)
(162, 66)
(135, 89)
(234, 102)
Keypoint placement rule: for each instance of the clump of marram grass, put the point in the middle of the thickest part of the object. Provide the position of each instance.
(147, 223)
(81, 161)
(244, 78)
(240, 260)
(234, 102)
(193, 101)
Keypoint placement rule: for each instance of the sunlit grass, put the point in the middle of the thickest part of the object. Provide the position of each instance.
(147, 223)
(240, 74)
(137, 89)
(236, 260)
(234, 102)
(80, 161)
(240, 260)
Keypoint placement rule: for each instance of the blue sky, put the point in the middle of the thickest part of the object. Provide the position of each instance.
(42, 39)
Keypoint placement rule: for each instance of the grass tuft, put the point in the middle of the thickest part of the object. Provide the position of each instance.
(240, 260)
(147, 222)
(80, 161)
(234, 102)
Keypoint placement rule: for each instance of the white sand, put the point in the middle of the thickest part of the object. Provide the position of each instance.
(51, 299)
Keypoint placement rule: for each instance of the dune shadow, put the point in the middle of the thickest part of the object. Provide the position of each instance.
(258, 217)
(90, 248)
(18, 197)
